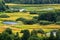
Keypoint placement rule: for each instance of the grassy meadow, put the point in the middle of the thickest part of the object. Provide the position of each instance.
(28, 7)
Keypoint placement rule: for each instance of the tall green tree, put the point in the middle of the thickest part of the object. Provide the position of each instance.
(52, 37)
(58, 35)
(9, 31)
(26, 34)
(34, 32)
(17, 37)
(5, 36)
(34, 36)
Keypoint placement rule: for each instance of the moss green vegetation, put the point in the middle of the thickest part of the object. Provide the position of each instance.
(26, 15)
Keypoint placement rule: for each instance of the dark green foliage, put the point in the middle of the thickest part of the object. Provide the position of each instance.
(35, 17)
(3, 7)
(58, 18)
(34, 37)
(34, 32)
(8, 35)
(20, 19)
(51, 36)
(26, 34)
(4, 16)
(45, 22)
(50, 16)
(5, 36)
(34, 1)
(58, 35)
(8, 30)
(41, 31)
(25, 21)
(58, 15)
(16, 37)
(29, 22)
(33, 12)
(58, 12)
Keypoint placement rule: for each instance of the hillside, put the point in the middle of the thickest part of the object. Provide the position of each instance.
(3, 7)
(34, 1)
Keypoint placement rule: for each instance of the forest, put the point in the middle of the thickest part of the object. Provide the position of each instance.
(9, 35)
(33, 1)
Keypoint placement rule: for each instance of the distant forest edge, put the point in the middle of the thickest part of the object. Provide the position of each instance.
(33, 1)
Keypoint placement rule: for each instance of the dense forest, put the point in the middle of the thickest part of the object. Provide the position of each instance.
(34, 1)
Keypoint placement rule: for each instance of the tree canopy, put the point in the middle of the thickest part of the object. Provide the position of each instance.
(3, 7)
(33, 1)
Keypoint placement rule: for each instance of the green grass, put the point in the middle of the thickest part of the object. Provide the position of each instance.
(28, 7)
(34, 7)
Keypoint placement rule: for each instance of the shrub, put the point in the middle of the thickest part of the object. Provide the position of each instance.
(25, 21)
(50, 16)
(34, 32)
(34, 37)
(34, 21)
(45, 22)
(35, 17)
(41, 31)
(8, 30)
(33, 12)
(29, 22)
(58, 18)
(4, 16)
(20, 19)
(58, 12)
(58, 23)
(26, 34)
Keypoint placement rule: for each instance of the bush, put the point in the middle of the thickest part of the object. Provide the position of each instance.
(33, 12)
(58, 23)
(26, 34)
(20, 19)
(58, 18)
(41, 31)
(34, 37)
(58, 12)
(29, 22)
(4, 16)
(50, 16)
(35, 17)
(25, 21)
(45, 22)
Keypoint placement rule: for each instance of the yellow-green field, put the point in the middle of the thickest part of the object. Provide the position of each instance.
(34, 7)
(21, 26)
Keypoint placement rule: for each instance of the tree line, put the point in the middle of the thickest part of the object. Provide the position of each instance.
(3, 7)
(9, 35)
(33, 1)
(43, 18)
